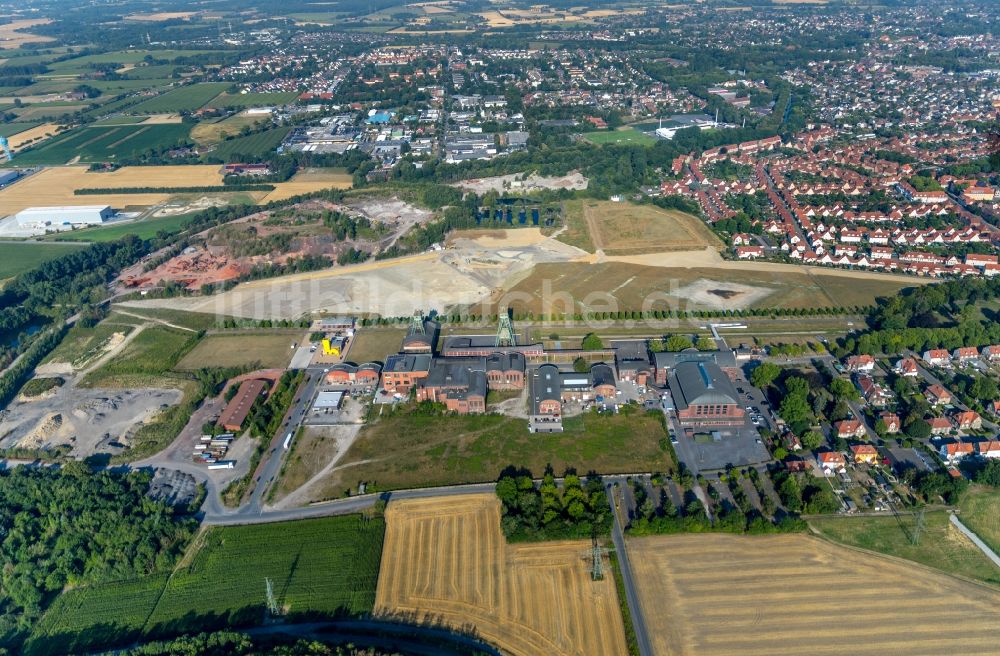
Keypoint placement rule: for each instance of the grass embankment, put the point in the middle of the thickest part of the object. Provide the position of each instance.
(980, 511)
(940, 545)
(318, 568)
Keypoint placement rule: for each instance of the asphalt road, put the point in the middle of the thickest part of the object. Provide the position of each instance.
(631, 595)
(270, 466)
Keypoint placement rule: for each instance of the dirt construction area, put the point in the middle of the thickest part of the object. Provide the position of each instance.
(470, 272)
(715, 594)
(629, 229)
(574, 181)
(86, 419)
(446, 560)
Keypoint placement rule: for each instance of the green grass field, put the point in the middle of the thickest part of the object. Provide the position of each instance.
(626, 136)
(18, 258)
(244, 100)
(253, 146)
(941, 546)
(374, 344)
(405, 449)
(143, 229)
(83, 344)
(326, 567)
(262, 350)
(152, 353)
(183, 99)
(193, 320)
(100, 144)
(10, 129)
(981, 512)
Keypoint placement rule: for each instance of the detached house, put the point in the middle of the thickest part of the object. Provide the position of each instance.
(860, 363)
(850, 428)
(953, 451)
(937, 395)
(865, 453)
(832, 462)
(892, 422)
(989, 449)
(936, 357)
(965, 354)
(968, 420)
(939, 425)
(907, 367)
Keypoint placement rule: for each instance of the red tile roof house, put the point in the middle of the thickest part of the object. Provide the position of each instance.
(891, 420)
(965, 353)
(989, 449)
(940, 425)
(937, 395)
(953, 451)
(849, 428)
(907, 367)
(832, 461)
(860, 363)
(865, 453)
(968, 420)
(991, 353)
(936, 357)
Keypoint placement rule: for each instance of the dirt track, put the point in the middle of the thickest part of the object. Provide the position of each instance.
(715, 594)
(446, 560)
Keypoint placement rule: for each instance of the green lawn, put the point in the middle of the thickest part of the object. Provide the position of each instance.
(940, 546)
(10, 129)
(323, 567)
(981, 512)
(404, 448)
(17, 258)
(626, 136)
(143, 229)
(83, 344)
(183, 99)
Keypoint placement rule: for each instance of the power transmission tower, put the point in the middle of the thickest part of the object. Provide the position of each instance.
(505, 330)
(918, 529)
(272, 604)
(597, 572)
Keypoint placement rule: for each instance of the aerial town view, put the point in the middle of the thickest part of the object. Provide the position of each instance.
(500, 327)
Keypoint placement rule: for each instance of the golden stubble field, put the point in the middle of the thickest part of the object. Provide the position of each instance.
(55, 186)
(716, 594)
(446, 560)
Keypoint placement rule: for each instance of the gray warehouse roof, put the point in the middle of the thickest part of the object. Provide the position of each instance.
(701, 383)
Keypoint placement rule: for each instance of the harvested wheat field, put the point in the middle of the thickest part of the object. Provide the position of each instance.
(714, 594)
(55, 186)
(445, 559)
(630, 229)
(308, 181)
(15, 33)
(32, 136)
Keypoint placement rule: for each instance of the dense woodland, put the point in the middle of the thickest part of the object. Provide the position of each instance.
(71, 526)
(229, 643)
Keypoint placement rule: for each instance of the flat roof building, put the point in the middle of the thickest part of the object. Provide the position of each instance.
(76, 215)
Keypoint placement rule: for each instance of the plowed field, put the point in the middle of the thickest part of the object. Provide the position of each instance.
(445, 559)
(710, 595)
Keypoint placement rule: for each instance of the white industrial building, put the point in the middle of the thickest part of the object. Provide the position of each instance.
(63, 218)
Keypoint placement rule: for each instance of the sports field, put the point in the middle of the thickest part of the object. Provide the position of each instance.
(265, 351)
(716, 594)
(55, 186)
(629, 229)
(104, 143)
(629, 136)
(445, 560)
(183, 99)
